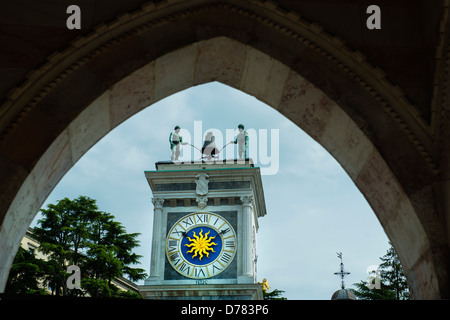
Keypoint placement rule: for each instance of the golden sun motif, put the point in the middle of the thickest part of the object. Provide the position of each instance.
(201, 244)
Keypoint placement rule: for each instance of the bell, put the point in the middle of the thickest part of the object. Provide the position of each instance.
(209, 148)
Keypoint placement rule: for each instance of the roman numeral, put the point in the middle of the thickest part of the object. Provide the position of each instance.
(177, 232)
(226, 257)
(224, 231)
(202, 218)
(188, 221)
(199, 272)
(184, 267)
(173, 244)
(175, 258)
(230, 244)
(215, 269)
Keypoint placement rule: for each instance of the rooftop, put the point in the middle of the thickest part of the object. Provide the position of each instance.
(343, 294)
(204, 164)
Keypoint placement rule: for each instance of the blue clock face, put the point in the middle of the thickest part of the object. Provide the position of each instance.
(201, 245)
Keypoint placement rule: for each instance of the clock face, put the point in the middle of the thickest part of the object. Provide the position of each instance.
(201, 245)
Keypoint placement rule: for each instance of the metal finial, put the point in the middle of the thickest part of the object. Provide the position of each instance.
(341, 273)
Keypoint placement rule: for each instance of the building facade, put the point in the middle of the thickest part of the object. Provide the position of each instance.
(205, 230)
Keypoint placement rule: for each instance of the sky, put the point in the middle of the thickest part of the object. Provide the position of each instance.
(314, 209)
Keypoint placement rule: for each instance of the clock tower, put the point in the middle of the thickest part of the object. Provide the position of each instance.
(205, 225)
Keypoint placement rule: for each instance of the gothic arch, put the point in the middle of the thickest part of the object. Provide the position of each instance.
(311, 77)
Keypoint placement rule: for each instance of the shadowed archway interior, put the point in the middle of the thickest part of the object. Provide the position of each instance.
(329, 91)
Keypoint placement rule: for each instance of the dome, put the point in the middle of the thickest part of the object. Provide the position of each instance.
(343, 294)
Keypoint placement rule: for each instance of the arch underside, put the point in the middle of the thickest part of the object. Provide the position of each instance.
(313, 79)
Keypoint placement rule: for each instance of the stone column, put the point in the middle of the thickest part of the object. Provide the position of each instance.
(157, 258)
(246, 247)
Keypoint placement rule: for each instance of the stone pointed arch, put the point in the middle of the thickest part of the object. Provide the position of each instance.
(312, 78)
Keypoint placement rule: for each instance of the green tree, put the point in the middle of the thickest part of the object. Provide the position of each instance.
(26, 274)
(393, 284)
(75, 232)
(62, 233)
(363, 292)
(392, 271)
(274, 295)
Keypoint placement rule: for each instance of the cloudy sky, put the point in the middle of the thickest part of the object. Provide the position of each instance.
(313, 208)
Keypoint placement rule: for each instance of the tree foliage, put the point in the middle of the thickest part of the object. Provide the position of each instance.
(75, 232)
(274, 295)
(393, 284)
(25, 274)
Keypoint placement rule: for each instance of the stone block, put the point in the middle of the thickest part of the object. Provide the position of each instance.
(79, 89)
(119, 60)
(422, 279)
(30, 137)
(13, 227)
(132, 94)
(203, 292)
(407, 233)
(380, 187)
(264, 77)
(52, 166)
(90, 126)
(346, 142)
(220, 59)
(11, 178)
(174, 71)
(305, 105)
